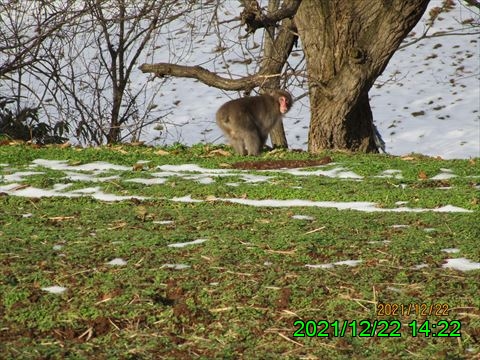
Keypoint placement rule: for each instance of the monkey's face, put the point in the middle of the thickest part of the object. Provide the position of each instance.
(284, 104)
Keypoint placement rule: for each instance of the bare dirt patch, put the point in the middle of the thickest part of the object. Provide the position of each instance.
(280, 164)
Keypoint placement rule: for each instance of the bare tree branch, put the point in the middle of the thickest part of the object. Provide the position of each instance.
(205, 76)
(253, 17)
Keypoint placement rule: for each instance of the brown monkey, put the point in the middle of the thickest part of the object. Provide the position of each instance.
(247, 121)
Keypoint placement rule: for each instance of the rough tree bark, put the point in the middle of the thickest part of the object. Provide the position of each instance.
(347, 46)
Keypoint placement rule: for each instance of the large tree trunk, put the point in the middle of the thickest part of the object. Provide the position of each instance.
(347, 45)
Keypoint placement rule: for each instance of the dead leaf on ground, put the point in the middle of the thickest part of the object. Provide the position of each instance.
(422, 175)
(161, 152)
(137, 167)
(142, 212)
(118, 225)
(61, 218)
(220, 152)
(211, 198)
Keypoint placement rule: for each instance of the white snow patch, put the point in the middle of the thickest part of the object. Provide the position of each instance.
(303, 217)
(205, 180)
(394, 289)
(117, 262)
(63, 165)
(451, 208)
(54, 289)
(187, 199)
(88, 190)
(191, 168)
(338, 172)
(163, 222)
(331, 265)
(61, 187)
(98, 194)
(197, 173)
(18, 176)
(166, 174)
(152, 181)
(194, 242)
(175, 266)
(444, 175)
(391, 173)
(383, 242)
(462, 264)
(249, 178)
(100, 166)
(359, 206)
(75, 176)
(232, 184)
(51, 164)
(451, 250)
(420, 266)
(32, 192)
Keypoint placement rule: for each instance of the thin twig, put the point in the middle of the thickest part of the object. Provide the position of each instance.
(292, 341)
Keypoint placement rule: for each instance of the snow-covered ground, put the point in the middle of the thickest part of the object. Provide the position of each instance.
(427, 101)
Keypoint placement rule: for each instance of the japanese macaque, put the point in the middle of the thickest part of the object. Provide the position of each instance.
(247, 121)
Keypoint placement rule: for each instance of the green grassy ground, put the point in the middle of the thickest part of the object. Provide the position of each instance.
(247, 288)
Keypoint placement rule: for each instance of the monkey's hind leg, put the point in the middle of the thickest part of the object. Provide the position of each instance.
(253, 144)
(238, 145)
